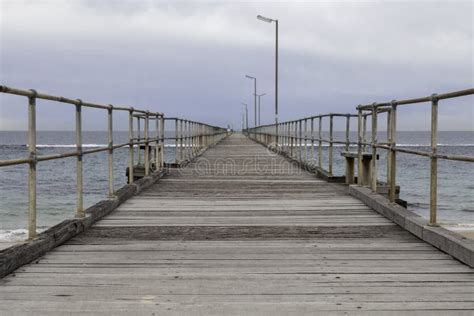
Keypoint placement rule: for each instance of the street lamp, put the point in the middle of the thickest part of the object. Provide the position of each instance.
(259, 117)
(254, 96)
(246, 116)
(268, 20)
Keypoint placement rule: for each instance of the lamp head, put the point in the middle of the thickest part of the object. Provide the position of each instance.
(264, 19)
(250, 77)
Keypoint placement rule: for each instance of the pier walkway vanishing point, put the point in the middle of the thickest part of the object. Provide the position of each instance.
(241, 230)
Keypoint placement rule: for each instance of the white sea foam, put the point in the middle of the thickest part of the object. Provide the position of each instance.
(13, 235)
(460, 227)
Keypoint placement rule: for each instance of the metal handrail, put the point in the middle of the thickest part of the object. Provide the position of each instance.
(196, 138)
(288, 137)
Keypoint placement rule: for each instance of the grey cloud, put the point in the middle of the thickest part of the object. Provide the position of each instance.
(197, 69)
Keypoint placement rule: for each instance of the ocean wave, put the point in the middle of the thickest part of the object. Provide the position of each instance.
(13, 235)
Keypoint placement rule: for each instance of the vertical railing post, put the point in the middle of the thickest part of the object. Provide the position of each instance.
(360, 139)
(290, 133)
(176, 139)
(348, 128)
(130, 146)
(389, 157)
(193, 139)
(162, 141)
(373, 179)
(331, 139)
(320, 143)
(299, 124)
(79, 180)
(111, 150)
(312, 139)
(181, 143)
(200, 137)
(296, 139)
(364, 133)
(434, 161)
(157, 143)
(32, 167)
(185, 139)
(305, 140)
(147, 146)
(139, 150)
(393, 153)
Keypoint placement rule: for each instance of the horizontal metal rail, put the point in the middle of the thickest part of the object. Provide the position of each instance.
(299, 139)
(195, 138)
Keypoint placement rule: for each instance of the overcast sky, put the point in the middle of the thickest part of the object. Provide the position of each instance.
(189, 59)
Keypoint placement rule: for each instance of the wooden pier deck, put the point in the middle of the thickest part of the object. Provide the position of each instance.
(241, 231)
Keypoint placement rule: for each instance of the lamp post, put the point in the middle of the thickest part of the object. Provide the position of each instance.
(259, 117)
(246, 116)
(254, 97)
(268, 20)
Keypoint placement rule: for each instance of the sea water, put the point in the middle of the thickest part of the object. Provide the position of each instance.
(56, 182)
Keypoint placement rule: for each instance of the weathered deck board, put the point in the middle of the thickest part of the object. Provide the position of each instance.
(242, 231)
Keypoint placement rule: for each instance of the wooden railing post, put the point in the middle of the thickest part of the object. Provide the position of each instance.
(295, 142)
(393, 153)
(364, 133)
(312, 139)
(331, 139)
(434, 161)
(139, 151)
(32, 166)
(162, 141)
(374, 149)
(181, 142)
(111, 150)
(157, 143)
(348, 128)
(389, 157)
(300, 123)
(186, 139)
(130, 146)
(79, 180)
(320, 143)
(292, 138)
(305, 140)
(360, 139)
(176, 139)
(147, 147)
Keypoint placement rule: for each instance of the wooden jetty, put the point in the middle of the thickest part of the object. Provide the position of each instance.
(242, 230)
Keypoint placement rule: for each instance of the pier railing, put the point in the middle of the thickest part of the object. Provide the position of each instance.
(299, 138)
(193, 138)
